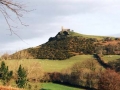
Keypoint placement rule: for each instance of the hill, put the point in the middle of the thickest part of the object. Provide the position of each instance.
(68, 43)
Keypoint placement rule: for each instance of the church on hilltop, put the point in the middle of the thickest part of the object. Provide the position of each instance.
(66, 30)
(63, 29)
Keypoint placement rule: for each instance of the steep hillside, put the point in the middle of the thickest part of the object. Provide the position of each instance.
(68, 43)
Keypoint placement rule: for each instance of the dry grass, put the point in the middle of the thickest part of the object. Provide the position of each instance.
(33, 68)
(45, 64)
(8, 88)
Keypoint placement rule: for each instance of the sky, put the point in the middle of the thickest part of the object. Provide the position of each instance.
(92, 17)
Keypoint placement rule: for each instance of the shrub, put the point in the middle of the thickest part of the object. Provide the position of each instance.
(85, 74)
(35, 72)
(109, 80)
(5, 56)
(115, 65)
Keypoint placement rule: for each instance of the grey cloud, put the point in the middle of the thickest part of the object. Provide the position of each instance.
(42, 21)
(48, 10)
(25, 34)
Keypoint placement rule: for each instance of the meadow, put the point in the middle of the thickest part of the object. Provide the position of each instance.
(89, 36)
(53, 86)
(108, 58)
(45, 65)
(54, 65)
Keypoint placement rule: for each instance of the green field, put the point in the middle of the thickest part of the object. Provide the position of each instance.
(48, 86)
(53, 86)
(108, 58)
(88, 36)
(47, 65)
(58, 65)
(54, 66)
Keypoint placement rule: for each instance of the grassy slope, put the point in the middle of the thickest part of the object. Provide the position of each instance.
(55, 65)
(48, 65)
(42, 86)
(52, 86)
(108, 58)
(87, 36)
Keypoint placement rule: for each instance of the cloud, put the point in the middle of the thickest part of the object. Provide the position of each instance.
(99, 17)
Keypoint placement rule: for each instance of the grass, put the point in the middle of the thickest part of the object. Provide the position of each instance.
(8, 88)
(54, 66)
(87, 36)
(50, 86)
(47, 65)
(53, 86)
(108, 58)
(57, 65)
(41, 86)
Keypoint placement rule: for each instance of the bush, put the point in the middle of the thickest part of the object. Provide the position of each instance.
(5, 56)
(109, 80)
(34, 72)
(85, 74)
(115, 65)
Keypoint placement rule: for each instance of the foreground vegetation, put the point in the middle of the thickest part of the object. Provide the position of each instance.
(53, 86)
(80, 70)
(47, 65)
(8, 88)
(41, 66)
(108, 58)
(54, 65)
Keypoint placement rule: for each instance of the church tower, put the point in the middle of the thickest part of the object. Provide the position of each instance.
(62, 28)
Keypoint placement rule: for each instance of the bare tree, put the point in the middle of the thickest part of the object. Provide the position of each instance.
(16, 8)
